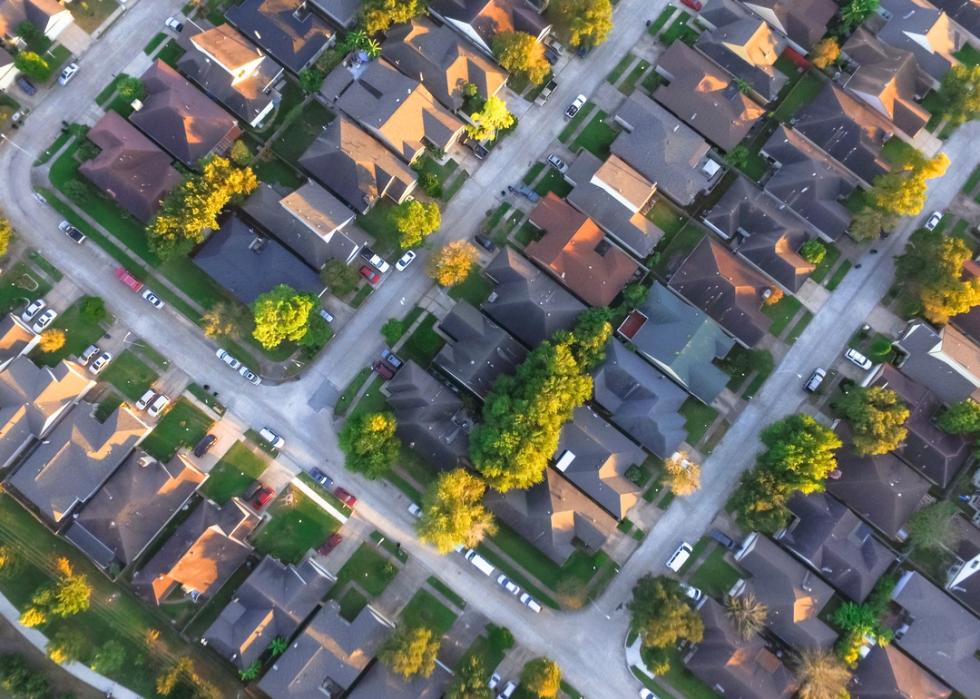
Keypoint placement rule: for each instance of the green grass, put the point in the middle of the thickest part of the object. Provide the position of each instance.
(826, 264)
(107, 405)
(801, 94)
(897, 152)
(678, 246)
(526, 234)
(92, 13)
(531, 175)
(698, 417)
(80, 332)
(371, 570)
(638, 72)
(20, 285)
(206, 398)
(527, 556)
(596, 137)
(620, 68)
(666, 217)
(661, 20)
(679, 29)
(379, 223)
(443, 173)
(130, 375)
(475, 288)
(715, 576)
(489, 656)
(517, 576)
(423, 344)
(292, 96)
(352, 603)
(781, 313)
(552, 181)
(153, 43)
(108, 91)
(232, 474)
(274, 170)
(361, 296)
(425, 610)
(972, 182)
(298, 136)
(345, 398)
(41, 264)
(575, 121)
(297, 525)
(799, 327)
(681, 679)
(446, 591)
(171, 53)
(839, 275)
(184, 425)
(392, 547)
(373, 400)
(60, 141)
(969, 54)
(652, 81)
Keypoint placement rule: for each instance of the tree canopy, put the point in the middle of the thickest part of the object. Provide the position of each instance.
(411, 651)
(52, 340)
(903, 191)
(281, 314)
(340, 278)
(453, 512)
(521, 53)
(825, 52)
(961, 418)
(470, 681)
(801, 451)
(130, 88)
(490, 119)
(369, 442)
(813, 251)
(821, 675)
(932, 527)
(932, 269)
(853, 12)
(6, 235)
(960, 93)
(542, 676)
(381, 14)
(415, 221)
(660, 613)
(869, 223)
(684, 475)
(451, 265)
(747, 613)
(877, 416)
(33, 65)
(582, 22)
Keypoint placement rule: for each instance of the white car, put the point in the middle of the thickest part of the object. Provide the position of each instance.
(679, 557)
(934, 220)
(152, 299)
(508, 690)
(249, 376)
(68, 73)
(33, 308)
(228, 359)
(557, 163)
(414, 510)
(174, 24)
(157, 406)
(405, 261)
(144, 399)
(90, 352)
(857, 359)
(272, 438)
(530, 603)
(44, 320)
(494, 681)
(692, 593)
(508, 585)
(100, 363)
(575, 106)
(71, 232)
(379, 263)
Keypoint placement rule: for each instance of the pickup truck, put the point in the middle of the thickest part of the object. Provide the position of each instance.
(546, 92)
(128, 279)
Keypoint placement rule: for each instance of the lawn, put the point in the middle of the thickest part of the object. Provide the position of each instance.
(677, 247)
(345, 398)
(153, 43)
(552, 181)
(81, 330)
(301, 132)
(826, 264)
(361, 295)
(352, 603)
(371, 570)
(423, 344)
(715, 576)
(531, 175)
(90, 15)
(297, 525)
(60, 141)
(489, 655)
(781, 313)
(839, 275)
(596, 137)
(698, 417)
(517, 576)
(638, 72)
(679, 29)
(475, 288)
(427, 165)
(661, 20)
(19, 286)
(802, 93)
(373, 400)
(379, 224)
(130, 375)
(526, 556)
(171, 53)
(446, 591)
(666, 217)
(425, 610)
(574, 122)
(184, 425)
(274, 170)
(620, 68)
(898, 152)
(232, 474)
(799, 327)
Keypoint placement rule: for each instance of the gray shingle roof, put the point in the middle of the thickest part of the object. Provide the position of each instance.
(887, 673)
(966, 13)
(381, 681)
(16, 338)
(341, 12)
(930, 34)
(487, 18)
(748, 50)
(947, 362)
(285, 29)
(803, 21)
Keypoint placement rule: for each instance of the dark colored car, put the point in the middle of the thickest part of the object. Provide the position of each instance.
(485, 243)
(369, 274)
(391, 359)
(204, 445)
(723, 539)
(525, 191)
(345, 497)
(583, 50)
(383, 370)
(321, 478)
(479, 150)
(263, 497)
(330, 544)
(252, 490)
(26, 85)
(551, 55)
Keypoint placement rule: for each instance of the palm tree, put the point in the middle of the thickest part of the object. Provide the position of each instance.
(822, 676)
(278, 645)
(251, 672)
(747, 613)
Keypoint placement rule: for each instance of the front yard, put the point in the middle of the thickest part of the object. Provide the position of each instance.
(425, 610)
(130, 375)
(698, 417)
(184, 425)
(82, 325)
(296, 525)
(369, 569)
(233, 473)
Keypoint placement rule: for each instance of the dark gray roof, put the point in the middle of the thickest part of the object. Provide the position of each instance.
(748, 50)
(381, 681)
(718, 13)
(478, 351)
(285, 29)
(431, 418)
(248, 264)
(803, 21)
(887, 673)
(640, 400)
(947, 362)
(965, 13)
(342, 12)
(836, 544)
(967, 323)
(272, 602)
(930, 34)
(487, 18)
(529, 304)
(963, 575)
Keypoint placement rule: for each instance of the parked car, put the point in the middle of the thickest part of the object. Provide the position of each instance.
(100, 363)
(273, 439)
(44, 320)
(71, 232)
(405, 260)
(263, 497)
(153, 299)
(525, 191)
(89, 352)
(330, 544)
(508, 690)
(508, 585)
(723, 539)
(692, 593)
(545, 93)
(252, 489)
(414, 510)
(128, 279)
(646, 693)
(679, 557)
(392, 359)
(321, 478)
(479, 150)
(383, 370)
(202, 447)
(33, 308)
(583, 50)
(481, 563)
(227, 359)
(29, 88)
(249, 376)
(485, 243)
(693, 4)
(554, 44)
(557, 163)
(934, 220)
(816, 378)
(345, 497)
(575, 106)
(551, 55)
(145, 399)
(494, 681)
(174, 24)
(369, 274)
(530, 603)
(326, 315)
(375, 259)
(157, 406)
(67, 73)
(857, 359)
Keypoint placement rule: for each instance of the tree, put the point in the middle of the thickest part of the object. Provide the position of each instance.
(278, 646)
(318, 333)
(311, 79)
(281, 314)
(109, 658)
(961, 418)
(6, 235)
(813, 251)
(492, 118)
(340, 278)
(822, 676)
(369, 442)
(774, 297)
(739, 156)
(452, 263)
(853, 12)
(877, 416)
(381, 14)
(932, 527)
(453, 512)
(932, 268)
(251, 672)
(130, 88)
(589, 337)
(582, 22)
(800, 452)
(825, 52)
(240, 153)
(869, 223)
(68, 643)
(523, 54)
(960, 93)
(542, 676)
(33, 617)
(470, 681)
(72, 593)
(760, 501)
(52, 340)
(416, 220)
(411, 651)
(29, 32)
(635, 294)
(903, 191)
(18, 678)
(684, 475)
(747, 614)
(660, 613)
(222, 320)
(32, 65)
(182, 669)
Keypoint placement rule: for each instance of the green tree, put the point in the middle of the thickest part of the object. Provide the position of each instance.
(68, 643)
(739, 156)
(281, 314)
(340, 278)
(6, 235)
(877, 416)
(470, 681)
(451, 265)
(635, 294)
(311, 79)
(961, 418)
(109, 658)
(960, 93)
(760, 501)
(800, 452)
(932, 269)
(853, 12)
(747, 614)
(240, 153)
(490, 119)
(130, 88)
(251, 672)
(903, 191)
(32, 65)
(411, 651)
(660, 613)
(318, 333)
(932, 527)
(278, 646)
(381, 14)
(521, 53)
(813, 251)
(684, 475)
(369, 442)
(415, 221)
(542, 676)
(453, 512)
(582, 22)
(869, 223)
(825, 52)
(821, 676)
(589, 337)
(29, 32)
(181, 669)
(18, 678)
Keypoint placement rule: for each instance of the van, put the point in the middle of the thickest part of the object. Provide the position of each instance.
(273, 439)
(157, 406)
(816, 378)
(679, 557)
(479, 561)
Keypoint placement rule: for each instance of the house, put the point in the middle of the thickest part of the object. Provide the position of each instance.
(553, 516)
(382, 681)
(437, 56)
(285, 29)
(704, 97)
(847, 131)
(481, 20)
(310, 221)
(747, 49)
(616, 196)
(130, 169)
(343, 13)
(272, 603)
(963, 574)
(16, 339)
(478, 351)
(793, 594)
(181, 119)
(229, 68)
(762, 232)
(968, 323)
(356, 167)
(887, 79)
(75, 459)
(725, 288)
(734, 666)
(803, 22)
(574, 250)
(831, 539)
(8, 71)
(49, 17)
(526, 302)
(202, 554)
(431, 419)
(640, 400)
(938, 633)
(397, 110)
(249, 264)
(329, 656)
(681, 341)
(33, 399)
(966, 13)
(810, 183)
(928, 33)
(945, 361)
(886, 673)
(133, 506)
(938, 455)
(664, 150)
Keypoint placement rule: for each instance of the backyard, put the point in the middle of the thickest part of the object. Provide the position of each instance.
(233, 473)
(302, 131)
(184, 425)
(296, 525)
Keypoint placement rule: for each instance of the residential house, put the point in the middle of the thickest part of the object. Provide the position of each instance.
(664, 150)
(478, 351)
(928, 33)
(640, 400)
(968, 323)
(310, 221)
(887, 673)
(526, 302)
(734, 666)
(963, 574)
(381, 681)
(49, 17)
(939, 633)
(202, 554)
(343, 13)
(849, 132)
(574, 250)
(831, 539)
(793, 594)
(8, 71)
(272, 603)
(966, 13)
(16, 339)
(248, 264)
(75, 458)
(725, 288)
(704, 97)
(762, 232)
(810, 183)
(285, 29)
(553, 516)
(681, 341)
(33, 399)
(180, 118)
(595, 456)
(229, 68)
(130, 169)
(130, 510)
(481, 20)
(803, 22)
(437, 56)
(356, 167)
(945, 361)
(329, 656)
(431, 419)
(616, 196)
(938, 455)
(747, 49)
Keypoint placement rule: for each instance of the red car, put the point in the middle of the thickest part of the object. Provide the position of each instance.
(128, 279)
(384, 371)
(345, 497)
(372, 276)
(263, 497)
(330, 544)
(693, 4)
